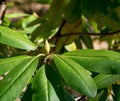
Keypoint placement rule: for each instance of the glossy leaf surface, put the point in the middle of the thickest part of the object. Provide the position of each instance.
(101, 61)
(15, 39)
(55, 80)
(7, 64)
(105, 80)
(76, 76)
(12, 85)
(42, 88)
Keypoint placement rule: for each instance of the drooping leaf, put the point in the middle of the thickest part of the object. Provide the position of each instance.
(73, 10)
(7, 64)
(55, 80)
(101, 61)
(42, 88)
(75, 76)
(12, 84)
(78, 43)
(97, 97)
(15, 39)
(87, 41)
(53, 20)
(105, 80)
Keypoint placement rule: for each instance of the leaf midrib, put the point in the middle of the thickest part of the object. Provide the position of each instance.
(18, 76)
(99, 57)
(77, 74)
(14, 59)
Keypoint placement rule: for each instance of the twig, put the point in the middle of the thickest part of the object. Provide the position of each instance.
(62, 25)
(86, 34)
(58, 34)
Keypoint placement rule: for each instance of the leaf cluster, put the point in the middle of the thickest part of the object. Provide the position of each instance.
(42, 57)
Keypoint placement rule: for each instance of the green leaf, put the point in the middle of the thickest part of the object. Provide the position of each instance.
(42, 88)
(73, 10)
(68, 96)
(105, 80)
(97, 97)
(104, 95)
(90, 8)
(101, 61)
(53, 20)
(75, 76)
(12, 84)
(104, 12)
(15, 39)
(55, 80)
(27, 94)
(7, 64)
(87, 41)
(16, 15)
(26, 21)
(116, 92)
(78, 43)
(44, 1)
